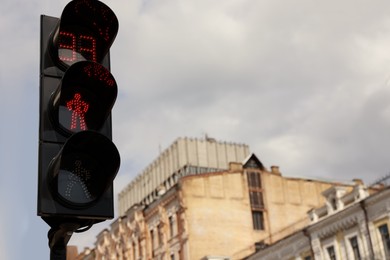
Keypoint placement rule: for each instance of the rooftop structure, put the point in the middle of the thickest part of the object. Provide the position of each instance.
(185, 156)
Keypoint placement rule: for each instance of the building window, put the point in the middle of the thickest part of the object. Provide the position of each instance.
(152, 238)
(334, 204)
(256, 199)
(331, 253)
(254, 180)
(307, 255)
(134, 251)
(384, 231)
(171, 226)
(355, 248)
(258, 220)
(253, 163)
(160, 235)
(140, 252)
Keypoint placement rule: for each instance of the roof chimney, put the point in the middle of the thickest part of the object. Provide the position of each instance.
(275, 170)
(235, 166)
(358, 181)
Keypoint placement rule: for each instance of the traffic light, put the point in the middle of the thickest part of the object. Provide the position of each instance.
(77, 159)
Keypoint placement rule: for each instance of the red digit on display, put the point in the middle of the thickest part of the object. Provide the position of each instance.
(73, 47)
(67, 42)
(87, 45)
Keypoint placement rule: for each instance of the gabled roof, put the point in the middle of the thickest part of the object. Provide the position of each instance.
(252, 162)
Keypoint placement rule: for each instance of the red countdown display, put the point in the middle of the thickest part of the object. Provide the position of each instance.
(86, 31)
(73, 47)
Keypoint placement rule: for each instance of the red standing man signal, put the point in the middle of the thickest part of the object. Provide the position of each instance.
(78, 108)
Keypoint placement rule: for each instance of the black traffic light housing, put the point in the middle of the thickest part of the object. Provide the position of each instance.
(84, 98)
(77, 160)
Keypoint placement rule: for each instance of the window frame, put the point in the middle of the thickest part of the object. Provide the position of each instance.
(258, 223)
(172, 223)
(254, 179)
(356, 250)
(331, 242)
(349, 235)
(385, 243)
(256, 198)
(331, 252)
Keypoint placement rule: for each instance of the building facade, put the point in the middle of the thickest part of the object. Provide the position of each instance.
(204, 212)
(350, 225)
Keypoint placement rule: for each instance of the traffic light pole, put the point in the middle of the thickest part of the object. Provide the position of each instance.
(59, 238)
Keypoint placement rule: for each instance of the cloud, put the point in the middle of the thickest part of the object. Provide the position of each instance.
(260, 72)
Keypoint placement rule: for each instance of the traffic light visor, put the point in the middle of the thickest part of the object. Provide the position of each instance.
(86, 31)
(84, 99)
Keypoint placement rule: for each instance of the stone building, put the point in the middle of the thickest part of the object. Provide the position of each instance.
(350, 225)
(208, 210)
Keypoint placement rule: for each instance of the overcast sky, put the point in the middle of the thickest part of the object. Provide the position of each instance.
(305, 83)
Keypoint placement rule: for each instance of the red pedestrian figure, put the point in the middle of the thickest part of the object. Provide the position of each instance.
(78, 108)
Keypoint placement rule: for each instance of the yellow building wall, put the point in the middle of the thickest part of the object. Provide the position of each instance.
(287, 201)
(218, 214)
(218, 211)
